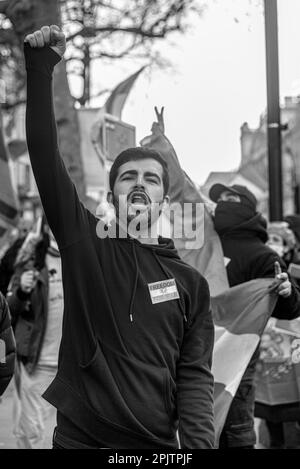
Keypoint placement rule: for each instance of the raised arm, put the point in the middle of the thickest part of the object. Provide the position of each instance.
(65, 214)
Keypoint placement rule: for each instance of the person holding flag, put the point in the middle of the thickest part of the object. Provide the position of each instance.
(243, 234)
(240, 313)
(135, 357)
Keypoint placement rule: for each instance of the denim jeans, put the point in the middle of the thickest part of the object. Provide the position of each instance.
(31, 411)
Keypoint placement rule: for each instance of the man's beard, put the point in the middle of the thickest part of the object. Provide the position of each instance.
(137, 217)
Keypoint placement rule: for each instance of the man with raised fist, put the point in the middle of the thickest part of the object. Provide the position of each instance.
(136, 349)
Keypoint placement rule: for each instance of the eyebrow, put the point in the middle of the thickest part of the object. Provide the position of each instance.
(133, 172)
(130, 172)
(149, 173)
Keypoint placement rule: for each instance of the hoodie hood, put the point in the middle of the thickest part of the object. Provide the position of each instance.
(255, 227)
(233, 219)
(164, 249)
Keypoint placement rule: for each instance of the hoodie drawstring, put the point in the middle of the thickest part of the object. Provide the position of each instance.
(165, 271)
(135, 281)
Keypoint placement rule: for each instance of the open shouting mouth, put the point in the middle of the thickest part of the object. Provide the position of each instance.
(138, 203)
(138, 199)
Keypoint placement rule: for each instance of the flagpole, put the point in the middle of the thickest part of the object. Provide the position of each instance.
(273, 112)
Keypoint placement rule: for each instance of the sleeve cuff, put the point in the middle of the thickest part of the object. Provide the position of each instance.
(42, 59)
(22, 295)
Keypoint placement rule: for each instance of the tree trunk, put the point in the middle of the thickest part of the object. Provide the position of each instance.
(26, 17)
(8, 200)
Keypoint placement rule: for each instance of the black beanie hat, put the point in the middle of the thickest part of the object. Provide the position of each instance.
(135, 154)
(247, 197)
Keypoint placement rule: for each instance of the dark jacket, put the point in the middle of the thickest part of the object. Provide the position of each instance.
(130, 372)
(7, 346)
(29, 317)
(249, 258)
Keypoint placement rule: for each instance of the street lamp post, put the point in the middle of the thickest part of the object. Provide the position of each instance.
(273, 119)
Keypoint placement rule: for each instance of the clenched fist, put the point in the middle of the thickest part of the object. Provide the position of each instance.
(48, 36)
(28, 281)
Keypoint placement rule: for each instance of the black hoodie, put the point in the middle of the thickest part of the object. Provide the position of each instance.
(128, 369)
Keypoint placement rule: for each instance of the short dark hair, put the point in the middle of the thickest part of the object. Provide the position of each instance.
(135, 154)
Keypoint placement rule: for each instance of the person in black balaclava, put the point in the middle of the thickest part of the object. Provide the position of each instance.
(243, 235)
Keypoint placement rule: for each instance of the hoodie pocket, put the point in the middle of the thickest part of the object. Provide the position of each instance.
(129, 392)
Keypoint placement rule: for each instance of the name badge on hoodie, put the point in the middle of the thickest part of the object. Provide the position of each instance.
(165, 290)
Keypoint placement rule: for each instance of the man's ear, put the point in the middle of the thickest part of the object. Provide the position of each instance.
(109, 197)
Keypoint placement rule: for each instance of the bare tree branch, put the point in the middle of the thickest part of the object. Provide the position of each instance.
(109, 29)
(130, 29)
(7, 36)
(13, 104)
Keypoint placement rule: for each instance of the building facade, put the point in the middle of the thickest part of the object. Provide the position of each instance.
(253, 170)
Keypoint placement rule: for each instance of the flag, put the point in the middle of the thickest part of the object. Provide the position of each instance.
(8, 198)
(113, 106)
(205, 252)
(240, 315)
(115, 102)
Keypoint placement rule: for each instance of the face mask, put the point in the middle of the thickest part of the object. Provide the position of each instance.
(229, 215)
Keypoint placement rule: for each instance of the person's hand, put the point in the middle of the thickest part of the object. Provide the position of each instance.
(159, 126)
(28, 281)
(160, 118)
(48, 36)
(285, 287)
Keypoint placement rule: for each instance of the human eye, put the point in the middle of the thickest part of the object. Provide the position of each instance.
(152, 179)
(127, 177)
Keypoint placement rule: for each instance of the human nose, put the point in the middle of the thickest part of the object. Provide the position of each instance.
(140, 180)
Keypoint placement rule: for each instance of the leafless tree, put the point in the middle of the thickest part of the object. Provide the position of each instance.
(95, 29)
(20, 17)
(101, 29)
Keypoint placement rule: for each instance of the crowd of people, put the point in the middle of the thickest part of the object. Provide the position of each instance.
(112, 331)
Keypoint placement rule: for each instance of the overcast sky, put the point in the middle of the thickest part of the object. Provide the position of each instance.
(220, 82)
